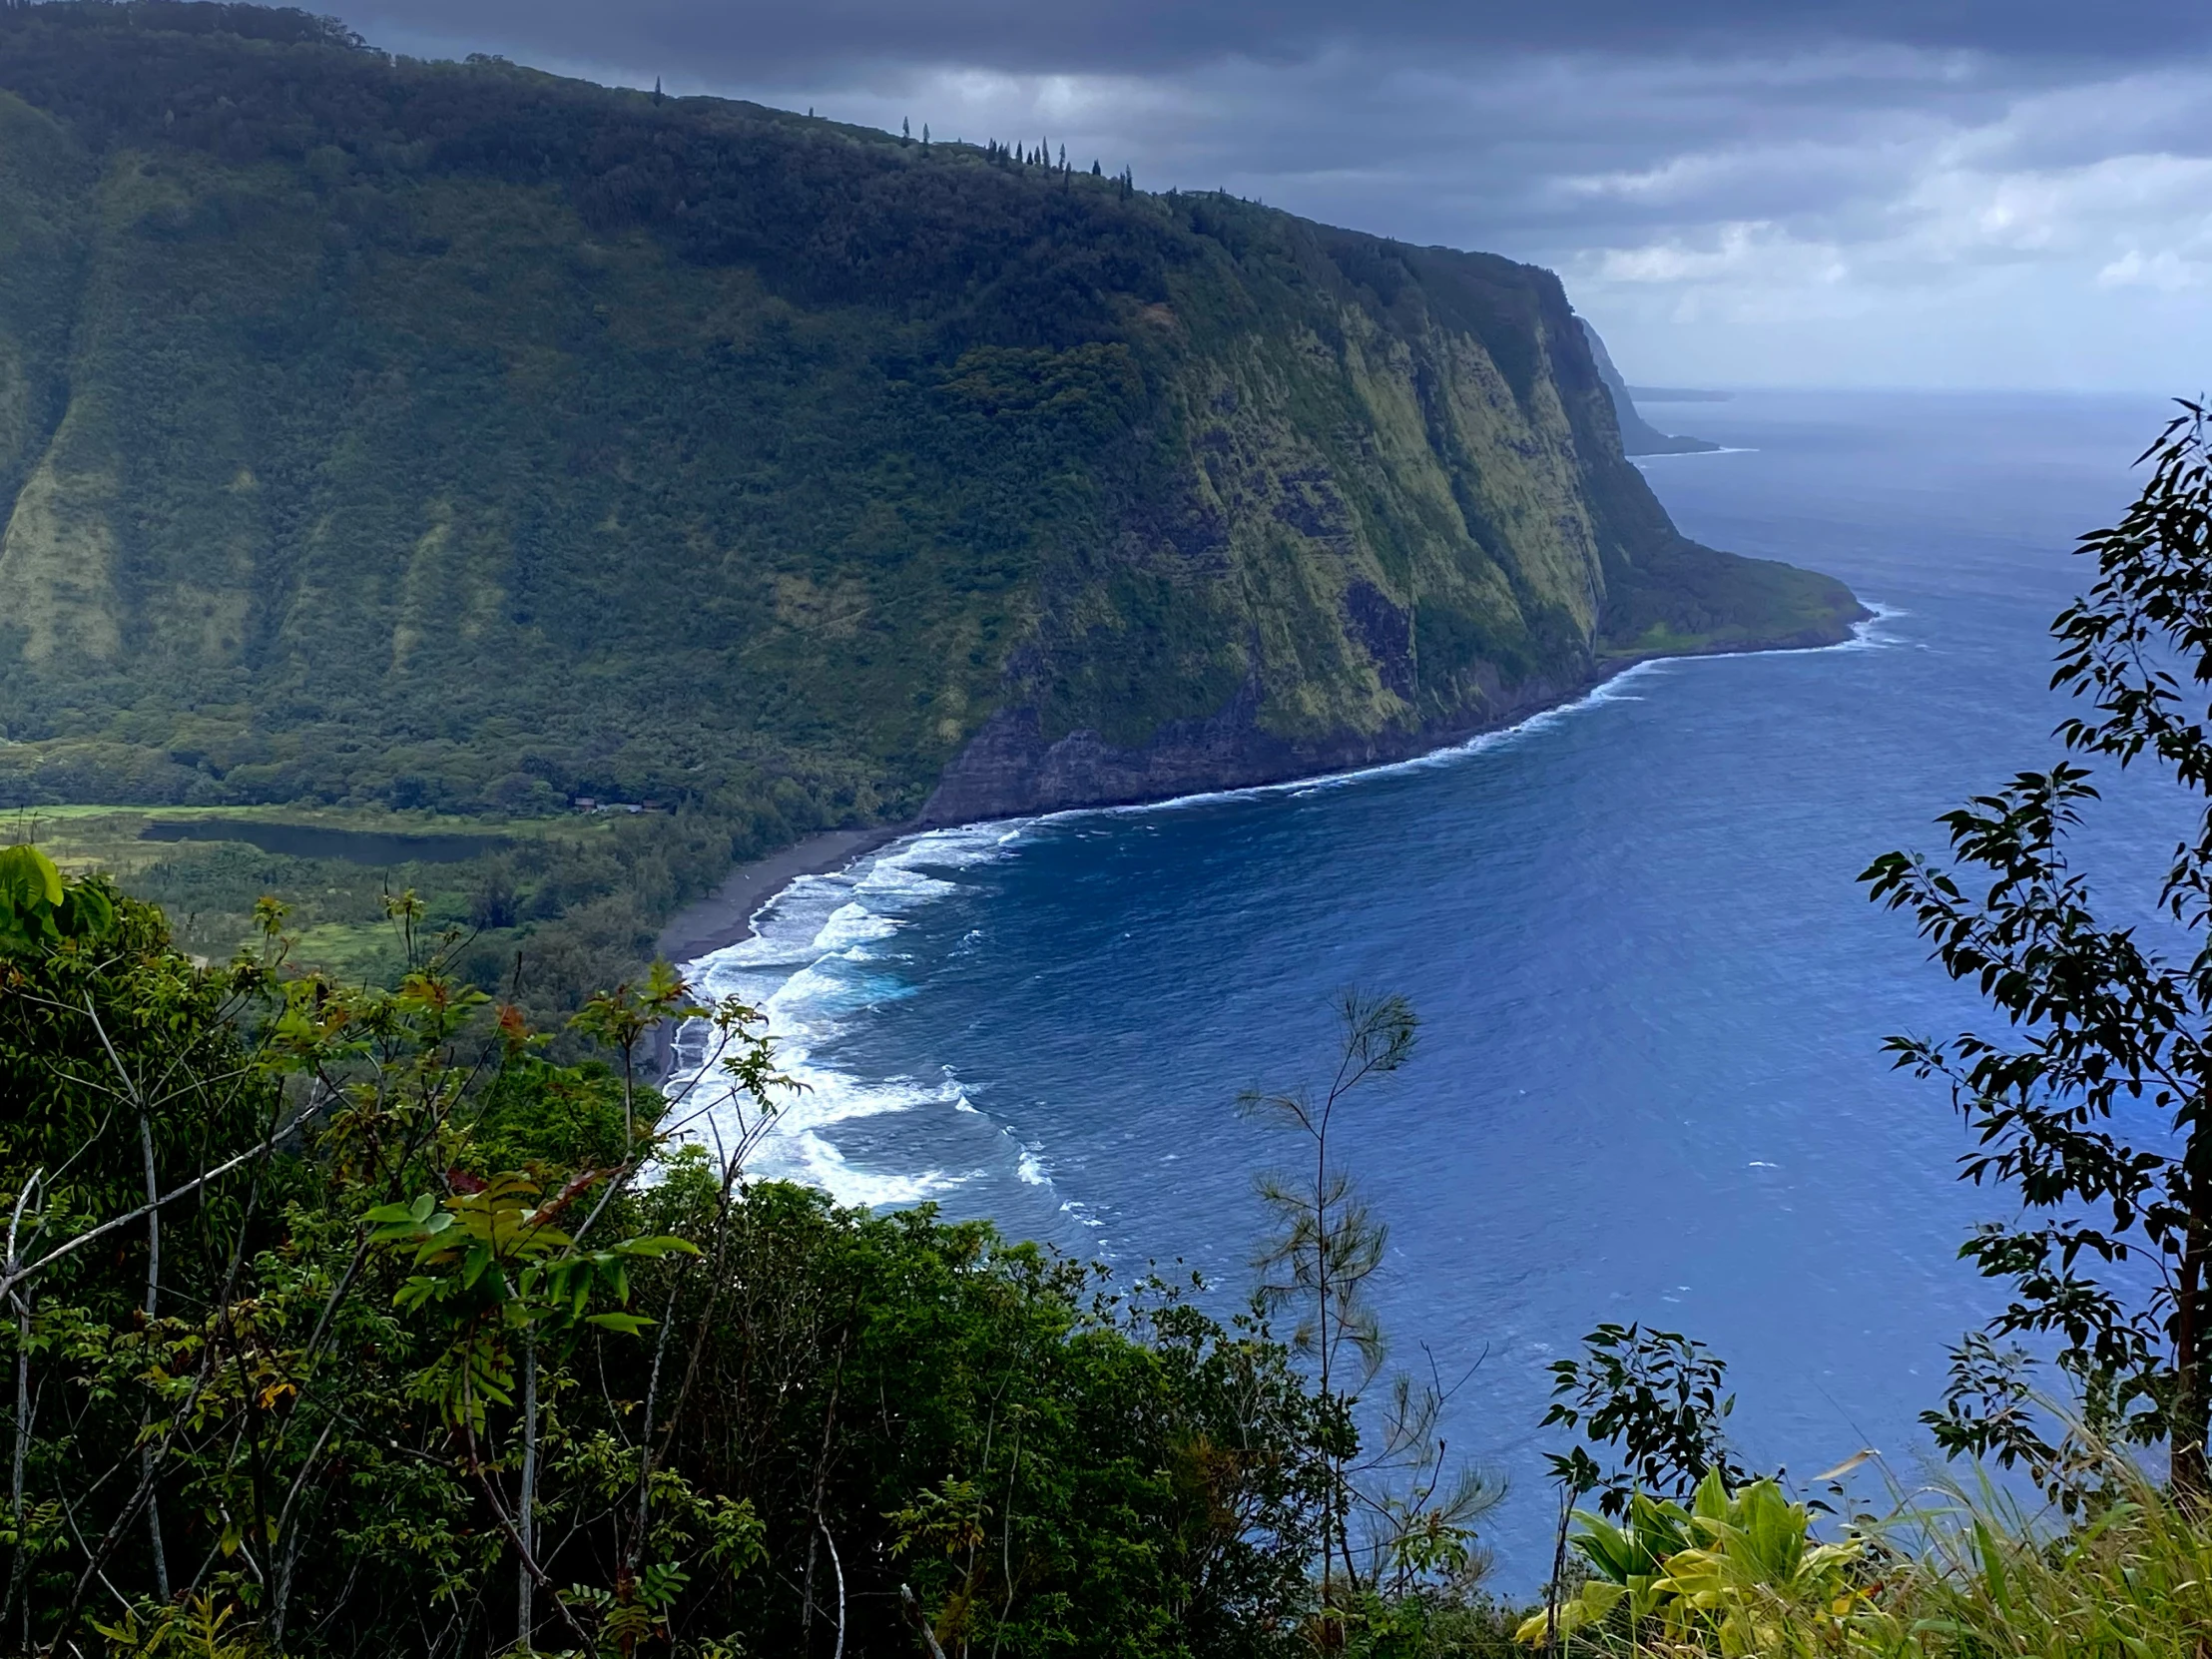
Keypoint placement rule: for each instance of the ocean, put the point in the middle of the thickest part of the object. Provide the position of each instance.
(1650, 1083)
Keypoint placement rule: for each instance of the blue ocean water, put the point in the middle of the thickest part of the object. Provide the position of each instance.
(1650, 1083)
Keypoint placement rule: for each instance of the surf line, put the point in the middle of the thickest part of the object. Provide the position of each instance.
(1676, 454)
(1607, 687)
(811, 1156)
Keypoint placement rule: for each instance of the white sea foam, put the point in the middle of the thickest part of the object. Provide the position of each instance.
(958, 848)
(799, 1143)
(1865, 635)
(852, 924)
(1676, 455)
(1872, 635)
(809, 970)
(891, 880)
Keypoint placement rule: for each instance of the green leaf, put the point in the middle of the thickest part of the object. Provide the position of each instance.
(474, 1264)
(661, 1245)
(628, 1324)
(85, 912)
(28, 878)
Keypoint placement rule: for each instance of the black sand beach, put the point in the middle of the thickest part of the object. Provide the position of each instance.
(724, 916)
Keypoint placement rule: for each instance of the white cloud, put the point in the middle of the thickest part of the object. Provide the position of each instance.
(2031, 245)
(1756, 253)
(2164, 271)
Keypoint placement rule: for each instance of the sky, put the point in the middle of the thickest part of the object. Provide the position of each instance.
(1737, 193)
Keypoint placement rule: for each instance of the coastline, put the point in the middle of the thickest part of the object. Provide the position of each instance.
(725, 916)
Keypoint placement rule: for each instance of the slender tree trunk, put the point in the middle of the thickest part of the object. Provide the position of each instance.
(22, 1298)
(645, 1433)
(920, 1620)
(526, 1504)
(1321, 1326)
(807, 1596)
(22, 1451)
(1558, 1571)
(822, 1483)
(2186, 1426)
(153, 1311)
(1006, 1545)
(289, 1538)
(838, 1568)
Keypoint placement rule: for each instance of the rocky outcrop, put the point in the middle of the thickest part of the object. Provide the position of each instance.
(1011, 770)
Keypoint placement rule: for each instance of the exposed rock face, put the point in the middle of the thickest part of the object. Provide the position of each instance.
(1010, 769)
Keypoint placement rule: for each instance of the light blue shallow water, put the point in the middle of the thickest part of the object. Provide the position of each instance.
(1650, 1083)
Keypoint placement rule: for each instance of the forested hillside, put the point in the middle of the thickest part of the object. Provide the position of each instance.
(376, 431)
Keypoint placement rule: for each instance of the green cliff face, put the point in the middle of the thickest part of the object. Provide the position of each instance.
(455, 436)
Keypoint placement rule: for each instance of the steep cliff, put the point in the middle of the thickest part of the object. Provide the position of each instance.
(1638, 436)
(456, 435)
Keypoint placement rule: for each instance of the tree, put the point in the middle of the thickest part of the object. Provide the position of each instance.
(1414, 1521)
(430, 1371)
(2096, 1108)
(1656, 1395)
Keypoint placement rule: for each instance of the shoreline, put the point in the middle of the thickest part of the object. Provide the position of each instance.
(724, 918)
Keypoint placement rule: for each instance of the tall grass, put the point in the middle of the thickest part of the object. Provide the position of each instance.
(1989, 1577)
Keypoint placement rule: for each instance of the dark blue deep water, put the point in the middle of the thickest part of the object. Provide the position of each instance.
(1651, 1082)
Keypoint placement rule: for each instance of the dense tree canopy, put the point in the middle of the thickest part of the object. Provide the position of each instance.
(346, 1321)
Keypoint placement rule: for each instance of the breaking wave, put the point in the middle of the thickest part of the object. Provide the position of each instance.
(824, 960)
(815, 966)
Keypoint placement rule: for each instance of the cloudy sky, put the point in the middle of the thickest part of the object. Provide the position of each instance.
(1946, 192)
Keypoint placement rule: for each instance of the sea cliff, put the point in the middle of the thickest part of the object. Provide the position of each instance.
(457, 436)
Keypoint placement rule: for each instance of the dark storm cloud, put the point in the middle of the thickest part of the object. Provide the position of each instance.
(751, 39)
(1758, 190)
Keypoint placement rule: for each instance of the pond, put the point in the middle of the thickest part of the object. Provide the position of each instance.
(305, 840)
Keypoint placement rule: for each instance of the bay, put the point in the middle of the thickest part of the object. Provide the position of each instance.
(1651, 1083)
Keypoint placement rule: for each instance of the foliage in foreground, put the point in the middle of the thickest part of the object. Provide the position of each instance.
(2089, 1109)
(342, 1322)
(346, 1321)
(1952, 1573)
(2090, 1104)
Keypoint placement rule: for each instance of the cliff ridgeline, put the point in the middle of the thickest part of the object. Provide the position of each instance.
(453, 435)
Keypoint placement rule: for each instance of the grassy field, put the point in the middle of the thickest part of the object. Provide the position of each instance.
(575, 897)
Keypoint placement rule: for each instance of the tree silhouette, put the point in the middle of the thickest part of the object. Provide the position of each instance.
(2103, 1030)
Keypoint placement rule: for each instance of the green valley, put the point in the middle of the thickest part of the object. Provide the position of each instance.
(456, 436)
